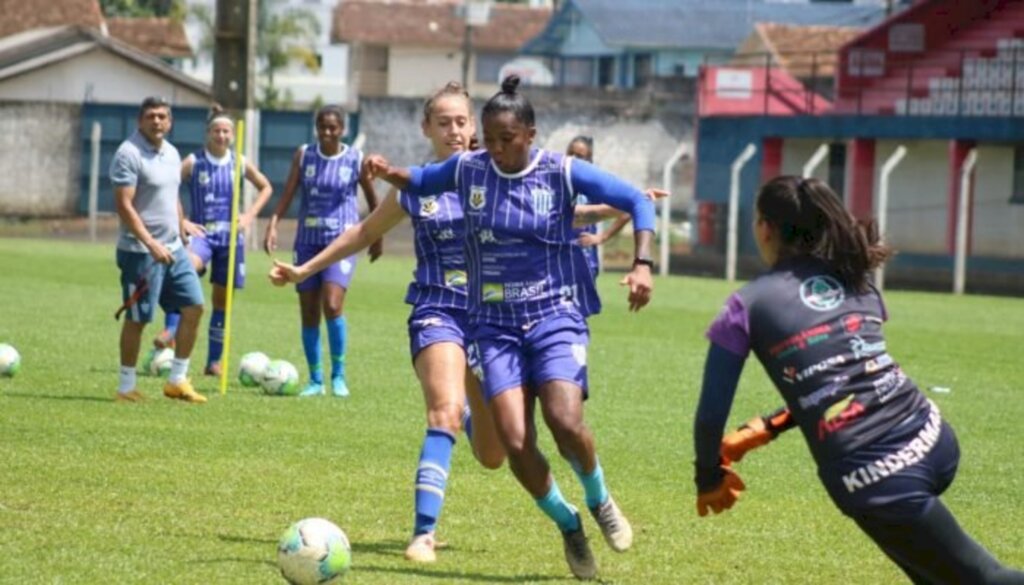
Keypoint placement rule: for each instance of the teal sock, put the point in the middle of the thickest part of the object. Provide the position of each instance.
(559, 510)
(311, 346)
(593, 485)
(337, 337)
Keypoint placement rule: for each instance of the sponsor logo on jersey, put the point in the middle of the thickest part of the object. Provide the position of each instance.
(428, 322)
(878, 363)
(512, 292)
(429, 206)
(790, 375)
(838, 416)
(310, 171)
(210, 197)
(543, 200)
(852, 323)
(345, 174)
(827, 391)
(477, 196)
(888, 384)
(897, 461)
(445, 235)
(487, 236)
(455, 278)
(493, 292)
(204, 177)
(822, 293)
(863, 349)
(802, 340)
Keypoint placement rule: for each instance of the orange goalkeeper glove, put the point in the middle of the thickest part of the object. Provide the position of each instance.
(756, 432)
(723, 496)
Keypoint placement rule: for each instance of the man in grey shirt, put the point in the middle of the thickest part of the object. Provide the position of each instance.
(155, 267)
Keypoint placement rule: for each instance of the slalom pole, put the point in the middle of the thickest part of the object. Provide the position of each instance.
(236, 191)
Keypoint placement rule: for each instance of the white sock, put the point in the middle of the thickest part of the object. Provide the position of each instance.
(126, 379)
(179, 370)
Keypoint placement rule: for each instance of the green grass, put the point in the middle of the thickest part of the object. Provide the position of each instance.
(97, 492)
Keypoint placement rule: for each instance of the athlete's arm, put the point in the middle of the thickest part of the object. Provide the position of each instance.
(264, 191)
(584, 215)
(425, 180)
(377, 247)
(718, 486)
(290, 186)
(355, 239)
(587, 240)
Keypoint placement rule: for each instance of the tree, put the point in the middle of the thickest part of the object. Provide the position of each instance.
(175, 9)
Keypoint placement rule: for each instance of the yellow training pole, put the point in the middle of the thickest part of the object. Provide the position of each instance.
(236, 192)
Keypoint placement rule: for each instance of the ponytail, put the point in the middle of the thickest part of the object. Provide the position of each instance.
(811, 220)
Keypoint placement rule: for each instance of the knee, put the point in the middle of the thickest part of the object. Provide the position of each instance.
(517, 445)
(446, 416)
(490, 458)
(565, 426)
(192, 312)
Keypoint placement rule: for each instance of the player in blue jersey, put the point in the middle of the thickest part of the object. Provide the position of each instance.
(883, 452)
(209, 174)
(529, 295)
(327, 174)
(438, 319)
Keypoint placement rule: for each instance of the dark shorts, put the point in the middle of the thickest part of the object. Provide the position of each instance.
(898, 476)
(503, 358)
(171, 286)
(215, 258)
(339, 273)
(430, 325)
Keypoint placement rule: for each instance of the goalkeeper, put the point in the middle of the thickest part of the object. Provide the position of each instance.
(883, 452)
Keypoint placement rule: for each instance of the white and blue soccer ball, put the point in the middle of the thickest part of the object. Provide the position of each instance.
(280, 378)
(313, 551)
(10, 360)
(251, 369)
(158, 362)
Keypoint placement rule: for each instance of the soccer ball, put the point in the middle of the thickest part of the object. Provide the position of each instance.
(158, 362)
(281, 378)
(313, 551)
(10, 360)
(250, 371)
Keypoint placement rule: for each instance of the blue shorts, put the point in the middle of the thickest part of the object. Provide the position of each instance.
(339, 273)
(504, 358)
(172, 287)
(899, 475)
(216, 258)
(430, 325)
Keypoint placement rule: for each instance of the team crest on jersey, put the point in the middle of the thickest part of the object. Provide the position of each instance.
(310, 171)
(543, 200)
(477, 196)
(204, 177)
(822, 293)
(429, 206)
(345, 174)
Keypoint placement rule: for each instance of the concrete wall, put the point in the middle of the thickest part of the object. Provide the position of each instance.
(97, 76)
(998, 224)
(40, 157)
(917, 196)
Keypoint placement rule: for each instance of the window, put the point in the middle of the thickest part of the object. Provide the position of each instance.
(1017, 196)
(606, 71)
(489, 64)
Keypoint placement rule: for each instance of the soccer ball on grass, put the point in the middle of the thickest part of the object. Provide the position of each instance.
(252, 368)
(280, 378)
(10, 360)
(158, 362)
(313, 551)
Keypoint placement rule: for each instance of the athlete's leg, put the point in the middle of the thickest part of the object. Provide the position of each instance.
(216, 330)
(337, 334)
(486, 445)
(183, 291)
(309, 309)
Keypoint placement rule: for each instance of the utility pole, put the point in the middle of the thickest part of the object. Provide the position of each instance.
(234, 55)
(475, 13)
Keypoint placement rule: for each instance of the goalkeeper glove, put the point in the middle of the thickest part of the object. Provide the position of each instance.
(755, 433)
(724, 495)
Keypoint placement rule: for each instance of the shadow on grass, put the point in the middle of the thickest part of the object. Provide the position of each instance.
(55, 397)
(246, 539)
(453, 576)
(266, 562)
(392, 548)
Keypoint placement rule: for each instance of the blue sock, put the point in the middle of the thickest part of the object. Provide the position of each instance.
(594, 488)
(216, 337)
(559, 510)
(467, 421)
(311, 345)
(337, 333)
(171, 321)
(431, 478)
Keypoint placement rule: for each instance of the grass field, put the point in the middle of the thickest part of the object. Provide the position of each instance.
(97, 492)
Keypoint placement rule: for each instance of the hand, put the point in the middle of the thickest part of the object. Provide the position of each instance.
(589, 240)
(160, 253)
(722, 497)
(245, 221)
(375, 165)
(640, 284)
(753, 434)
(270, 239)
(655, 194)
(193, 229)
(282, 273)
(376, 249)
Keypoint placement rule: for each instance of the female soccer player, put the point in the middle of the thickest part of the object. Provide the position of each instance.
(326, 173)
(883, 452)
(438, 319)
(589, 216)
(209, 174)
(529, 295)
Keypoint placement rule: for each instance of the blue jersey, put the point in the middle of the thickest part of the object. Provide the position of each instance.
(210, 188)
(440, 232)
(589, 252)
(328, 187)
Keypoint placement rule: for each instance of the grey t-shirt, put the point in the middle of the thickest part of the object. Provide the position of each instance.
(156, 176)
